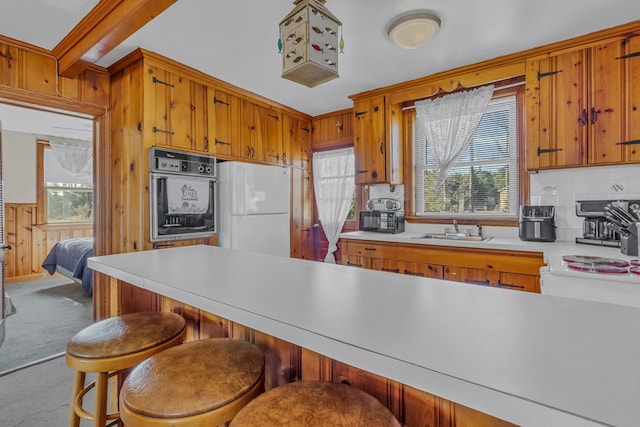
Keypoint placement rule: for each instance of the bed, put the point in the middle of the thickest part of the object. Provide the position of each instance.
(69, 258)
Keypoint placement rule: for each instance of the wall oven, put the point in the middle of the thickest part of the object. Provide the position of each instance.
(182, 195)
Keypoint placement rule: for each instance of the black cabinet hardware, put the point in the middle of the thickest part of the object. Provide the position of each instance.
(219, 101)
(217, 141)
(548, 150)
(548, 73)
(632, 142)
(156, 130)
(156, 80)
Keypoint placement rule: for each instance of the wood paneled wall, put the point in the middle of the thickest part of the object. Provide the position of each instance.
(286, 362)
(31, 243)
(29, 77)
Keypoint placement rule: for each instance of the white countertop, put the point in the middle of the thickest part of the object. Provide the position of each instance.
(531, 359)
(552, 251)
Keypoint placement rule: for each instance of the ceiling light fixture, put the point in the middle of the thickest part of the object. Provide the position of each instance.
(414, 30)
(309, 43)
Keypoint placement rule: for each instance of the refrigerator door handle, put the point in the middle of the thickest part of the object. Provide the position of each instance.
(239, 197)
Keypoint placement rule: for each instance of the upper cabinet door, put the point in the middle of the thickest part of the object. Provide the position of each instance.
(556, 97)
(582, 106)
(224, 123)
(613, 113)
(369, 140)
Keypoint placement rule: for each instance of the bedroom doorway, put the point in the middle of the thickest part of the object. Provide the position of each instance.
(49, 309)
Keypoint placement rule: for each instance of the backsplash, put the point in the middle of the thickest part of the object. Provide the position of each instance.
(560, 188)
(563, 187)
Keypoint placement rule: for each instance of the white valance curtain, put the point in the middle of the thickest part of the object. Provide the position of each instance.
(334, 186)
(449, 124)
(75, 157)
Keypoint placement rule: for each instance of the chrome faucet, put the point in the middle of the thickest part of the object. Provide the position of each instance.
(455, 226)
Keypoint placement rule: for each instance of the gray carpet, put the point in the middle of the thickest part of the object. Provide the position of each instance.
(49, 312)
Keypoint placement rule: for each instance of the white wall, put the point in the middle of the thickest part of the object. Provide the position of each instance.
(19, 167)
(563, 187)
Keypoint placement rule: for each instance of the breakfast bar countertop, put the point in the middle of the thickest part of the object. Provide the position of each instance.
(531, 359)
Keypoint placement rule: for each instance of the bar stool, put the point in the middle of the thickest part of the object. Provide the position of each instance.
(114, 345)
(200, 383)
(314, 404)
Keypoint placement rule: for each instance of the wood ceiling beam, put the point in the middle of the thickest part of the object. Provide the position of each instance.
(108, 24)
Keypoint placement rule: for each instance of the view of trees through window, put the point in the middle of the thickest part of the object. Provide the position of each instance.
(484, 179)
(69, 202)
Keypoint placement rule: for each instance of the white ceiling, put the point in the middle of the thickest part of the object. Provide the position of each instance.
(236, 41)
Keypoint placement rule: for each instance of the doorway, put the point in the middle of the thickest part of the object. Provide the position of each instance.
(31, 233)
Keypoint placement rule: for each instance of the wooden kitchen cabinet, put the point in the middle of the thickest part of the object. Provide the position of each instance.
(371, 255)
(332, 130)
(377, 134)
(298, 135)
(488, 267)
(224, 123)
(273, 138)
(176, 106)
(474, 276)
(421, 269)
(581, 105)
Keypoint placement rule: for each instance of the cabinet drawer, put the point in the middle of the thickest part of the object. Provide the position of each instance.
(371, 249)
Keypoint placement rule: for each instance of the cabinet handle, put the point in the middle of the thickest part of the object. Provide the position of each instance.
(219, 101)
(414, 273)
(478, 282)
(362, 171)
(632, 142)
(548, 150)
(7, 247)
(359, 113)
(382, 148)
(217, 141)
(508, 285)
(583, 117)
(391, 270)
(275, 156)
(593, 115)
(155, 80)
(369, 249)
(353, 264)
(630, 55)
(156, 130)
(206, 143)
(273, 116)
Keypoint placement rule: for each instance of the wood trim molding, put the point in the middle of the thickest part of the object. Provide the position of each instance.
(482, 69)
(102, 29)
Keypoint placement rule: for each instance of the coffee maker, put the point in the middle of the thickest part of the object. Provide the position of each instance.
(609, 223)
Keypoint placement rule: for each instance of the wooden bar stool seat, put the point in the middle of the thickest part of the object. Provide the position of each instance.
(115, 345)
(314, 404)
(200, 383)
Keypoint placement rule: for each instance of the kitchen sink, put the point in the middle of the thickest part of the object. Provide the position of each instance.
(453, 236)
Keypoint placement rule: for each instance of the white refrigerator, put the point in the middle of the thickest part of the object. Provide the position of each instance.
(253, 208)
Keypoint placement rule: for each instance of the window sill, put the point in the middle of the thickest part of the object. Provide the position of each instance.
(65, 226)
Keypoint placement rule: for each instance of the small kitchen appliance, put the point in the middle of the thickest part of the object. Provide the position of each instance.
(537, 223)
(610, 223)
(382, 216)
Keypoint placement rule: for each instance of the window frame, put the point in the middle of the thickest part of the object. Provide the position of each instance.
(523, 176)
(41, 196)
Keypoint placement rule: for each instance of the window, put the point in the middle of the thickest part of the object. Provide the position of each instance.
(65, 198)
(484, 179)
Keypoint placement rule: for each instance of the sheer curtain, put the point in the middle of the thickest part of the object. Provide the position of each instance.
(334, 186)
(74, 157)
(449, 124)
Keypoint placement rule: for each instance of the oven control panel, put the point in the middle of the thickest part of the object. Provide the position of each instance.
(183, 163)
